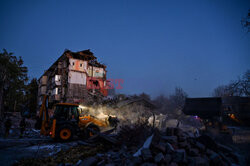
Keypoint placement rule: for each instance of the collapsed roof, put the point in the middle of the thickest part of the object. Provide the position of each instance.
(83, 55)
(86, 55)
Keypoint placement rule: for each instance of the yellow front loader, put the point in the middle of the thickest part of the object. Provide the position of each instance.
(68, 122)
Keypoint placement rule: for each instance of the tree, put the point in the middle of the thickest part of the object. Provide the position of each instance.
(12, 83)
(239, 87)
(173, 104)
(246, 22)
(177, 100)
(245, 83)
(160, 101)
(220, 91)
(145, 96)
(31, 96)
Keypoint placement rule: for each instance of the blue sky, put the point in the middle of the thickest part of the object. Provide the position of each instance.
(153, 46)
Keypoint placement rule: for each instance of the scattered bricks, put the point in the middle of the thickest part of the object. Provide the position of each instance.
(235, 157)
(177, 131)
(83, 143)
(189, 134)
(78, 162)
(173, 164)
(113, 155)
(169, 148)
(190, 161)
(183, 144)
(209, 152)
(193, 152)
(200, 146)
(224, 158)
(179, 155)
(191, 141)
(188, 147)
(170, 139)
(215, 159)
(161, 146)
(68, 164)
(182, 138)
(168, 158)
(208, 142)
(117, 160)
(130, 163)
(224, 148)
(89, 161)
(146, 154)
(110, 164)
(159, 158)
(148, 164)
(108, 139)
(101, 163)
(169, 131)
(163, 151)
(100, 155)
(134, 161)
(200, 161)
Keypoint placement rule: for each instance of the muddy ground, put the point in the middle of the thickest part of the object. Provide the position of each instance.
(14, 149)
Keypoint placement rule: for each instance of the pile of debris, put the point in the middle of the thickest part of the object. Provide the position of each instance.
(171, 147)
(144, 145)
(32, 133)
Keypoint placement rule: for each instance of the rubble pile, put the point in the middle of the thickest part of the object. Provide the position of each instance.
(170, 147)
(32, 133)
(144, 145)
(133, 135)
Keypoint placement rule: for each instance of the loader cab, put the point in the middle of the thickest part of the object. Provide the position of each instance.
(66, 112)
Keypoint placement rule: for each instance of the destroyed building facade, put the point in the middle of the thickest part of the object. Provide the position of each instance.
(71, 77)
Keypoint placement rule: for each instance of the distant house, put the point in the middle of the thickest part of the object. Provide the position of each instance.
(72, 77)
(136, 101)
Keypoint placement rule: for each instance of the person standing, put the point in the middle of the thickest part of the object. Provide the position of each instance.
(22, 127)
(7, 125)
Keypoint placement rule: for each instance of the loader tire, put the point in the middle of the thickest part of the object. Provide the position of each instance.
(92, 130)
(65, 133)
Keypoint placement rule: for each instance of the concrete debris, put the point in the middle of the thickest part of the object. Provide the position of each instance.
(145, 146)
(199, 161)
(224, 148)
(170, 147)
(179, 156)
(159, 158)
(193, 152)
(89, 161)
(170, 139)
(200, 146)
(146, 154)
(78, 162)
(168, 158)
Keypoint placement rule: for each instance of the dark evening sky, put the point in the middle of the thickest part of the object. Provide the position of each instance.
(153, 46)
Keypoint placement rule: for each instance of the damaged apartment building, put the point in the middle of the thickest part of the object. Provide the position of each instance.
(69, 79)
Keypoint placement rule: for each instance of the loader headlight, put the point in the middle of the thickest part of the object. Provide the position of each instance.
(83, 107)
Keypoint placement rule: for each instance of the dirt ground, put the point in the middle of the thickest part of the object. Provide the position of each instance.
(14, 149)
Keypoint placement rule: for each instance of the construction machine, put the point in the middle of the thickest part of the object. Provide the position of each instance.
(220, 109)
(208, 110)
(69, 120)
